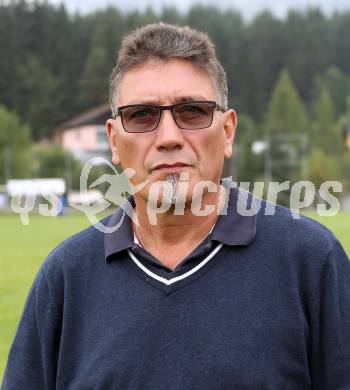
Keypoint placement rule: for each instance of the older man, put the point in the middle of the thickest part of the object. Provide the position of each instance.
(201, 295)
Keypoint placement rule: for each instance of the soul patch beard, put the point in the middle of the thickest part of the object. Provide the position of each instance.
(172, 189)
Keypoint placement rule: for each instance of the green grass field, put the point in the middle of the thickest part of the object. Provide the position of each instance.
(23, 249)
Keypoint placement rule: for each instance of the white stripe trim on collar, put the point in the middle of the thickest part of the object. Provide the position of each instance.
(168, 282)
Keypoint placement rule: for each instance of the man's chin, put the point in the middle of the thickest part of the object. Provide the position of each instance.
(168, 197)
(173, 192)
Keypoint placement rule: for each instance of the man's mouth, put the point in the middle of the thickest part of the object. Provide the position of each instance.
(169, 168)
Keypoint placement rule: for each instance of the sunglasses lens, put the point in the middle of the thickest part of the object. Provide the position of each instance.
(140, 119)
(193, 116)
(189, 116)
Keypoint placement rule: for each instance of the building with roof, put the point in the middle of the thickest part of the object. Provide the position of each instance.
(85, 135)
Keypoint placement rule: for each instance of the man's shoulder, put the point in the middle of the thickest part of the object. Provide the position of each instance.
(294, 230)
(78, 249)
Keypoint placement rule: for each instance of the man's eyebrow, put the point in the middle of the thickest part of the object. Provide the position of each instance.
(179, 99)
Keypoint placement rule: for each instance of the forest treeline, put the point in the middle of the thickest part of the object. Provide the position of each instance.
(287, 75)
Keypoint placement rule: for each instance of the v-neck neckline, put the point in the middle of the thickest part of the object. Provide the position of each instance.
(176, 279)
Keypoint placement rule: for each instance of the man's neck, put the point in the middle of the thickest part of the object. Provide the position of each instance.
(174, 236)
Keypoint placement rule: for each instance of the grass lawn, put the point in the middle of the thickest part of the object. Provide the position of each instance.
(23, 249)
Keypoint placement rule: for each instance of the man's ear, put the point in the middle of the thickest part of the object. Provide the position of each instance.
(111, 128)
(230, 124)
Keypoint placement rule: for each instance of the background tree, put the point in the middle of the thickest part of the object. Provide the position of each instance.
(286, 112)
(249, 166)
(94, 80)
(36, 96)
(338, 85)
(323, 167)
(170, 14)
(308, 44)
(14, 146)
(326, 133)
(286, 126)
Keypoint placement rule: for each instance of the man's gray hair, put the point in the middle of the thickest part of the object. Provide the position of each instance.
(163, 42)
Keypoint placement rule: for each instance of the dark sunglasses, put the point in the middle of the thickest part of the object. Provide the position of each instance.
(192, 115)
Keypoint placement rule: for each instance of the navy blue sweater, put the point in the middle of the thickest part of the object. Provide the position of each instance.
(273, 314)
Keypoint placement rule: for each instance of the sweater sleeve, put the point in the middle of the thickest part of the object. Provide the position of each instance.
(32, 361)
(330, 324)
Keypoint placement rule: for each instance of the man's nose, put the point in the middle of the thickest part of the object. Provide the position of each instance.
(169, 135)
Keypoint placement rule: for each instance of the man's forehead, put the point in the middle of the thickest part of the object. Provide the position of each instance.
(165, 83)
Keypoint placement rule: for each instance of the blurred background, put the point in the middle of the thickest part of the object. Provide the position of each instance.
(288, 69)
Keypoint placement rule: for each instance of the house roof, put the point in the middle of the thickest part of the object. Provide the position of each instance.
(95, 116)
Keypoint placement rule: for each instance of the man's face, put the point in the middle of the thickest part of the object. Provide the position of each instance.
(168, 149)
